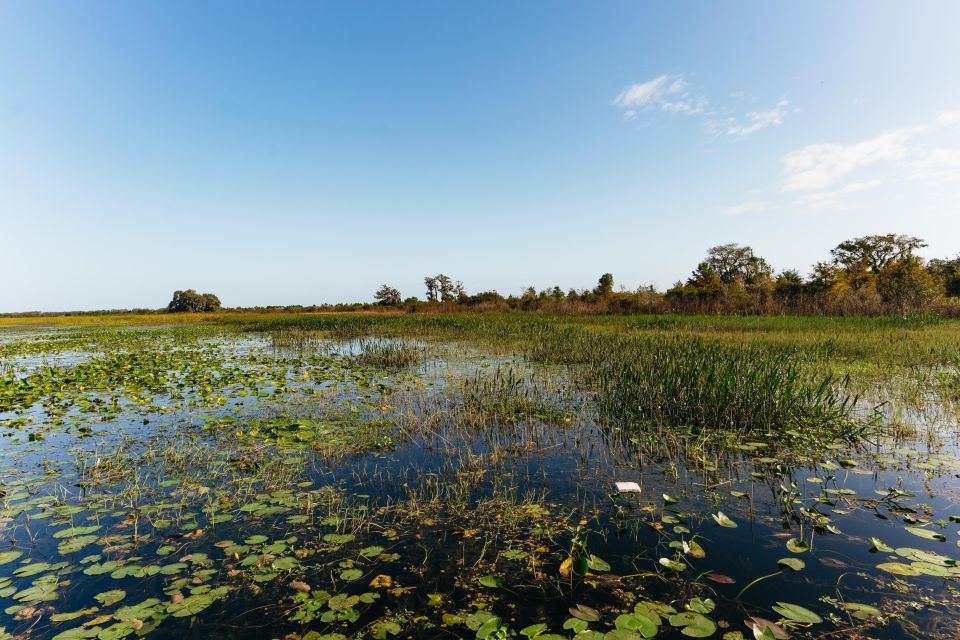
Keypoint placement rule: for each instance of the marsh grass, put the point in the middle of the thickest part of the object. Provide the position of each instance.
(749, 374)
(388, 354)
(705, 385)
(688, 381)
(294, 339)
(506, 395)
(869, 347)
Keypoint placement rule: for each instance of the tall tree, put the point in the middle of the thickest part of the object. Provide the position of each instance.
(704, 282)
(387, 295)
(445, 287)
(827, 276)
(905, 284)
(604, 285)
(431, 284)
(873, 253)
(191, 301)
(735, 264)
(459, 292)
(788, 285)
(949, 270)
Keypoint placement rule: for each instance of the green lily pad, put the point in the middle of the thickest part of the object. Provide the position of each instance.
(108, 598)
(898, 568)
(797, 613)
(795, 564)
(721, 519)
(491, 581)
(926, 533)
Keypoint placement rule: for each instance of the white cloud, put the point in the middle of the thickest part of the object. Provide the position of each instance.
(691, 105)
(948, 118)
(674, 94)
(821, 165)
(664, 93)
(640, 95)
(758, 120)
(906, 165)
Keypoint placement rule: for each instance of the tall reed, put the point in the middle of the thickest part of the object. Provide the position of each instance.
(705, 384)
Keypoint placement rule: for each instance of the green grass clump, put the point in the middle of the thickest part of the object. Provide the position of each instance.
(702, 384)
(388, 354)
(507, 396)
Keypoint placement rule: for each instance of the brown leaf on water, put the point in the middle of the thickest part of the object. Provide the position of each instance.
(757, 625)
(300, 586)
(833, 562)
(26, 612)
(719, 578)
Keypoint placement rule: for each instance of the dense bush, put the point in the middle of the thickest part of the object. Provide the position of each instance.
(191, 301)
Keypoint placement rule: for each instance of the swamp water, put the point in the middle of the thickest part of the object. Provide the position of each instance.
(191, 483)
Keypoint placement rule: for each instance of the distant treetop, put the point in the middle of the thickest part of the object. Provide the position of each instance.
(191, 301)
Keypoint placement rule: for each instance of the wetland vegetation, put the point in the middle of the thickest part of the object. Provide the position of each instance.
(454, 476)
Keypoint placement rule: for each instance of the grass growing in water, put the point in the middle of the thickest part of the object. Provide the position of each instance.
(388, 354)
(707, 385)
(506, 395)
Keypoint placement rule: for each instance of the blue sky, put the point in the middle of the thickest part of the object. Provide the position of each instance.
(306, 152)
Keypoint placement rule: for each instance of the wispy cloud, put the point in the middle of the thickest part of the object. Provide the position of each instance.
(757, 120)
(908, 162)
(949, 118)
(667, 93)
(675, 94)
(643, 94)
(821, 165)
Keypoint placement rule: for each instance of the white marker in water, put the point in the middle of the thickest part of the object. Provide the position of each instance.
(627, 487)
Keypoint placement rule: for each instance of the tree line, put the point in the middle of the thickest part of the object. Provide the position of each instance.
(869, 275)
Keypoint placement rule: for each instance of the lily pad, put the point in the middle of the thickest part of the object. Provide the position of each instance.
(797, 613)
